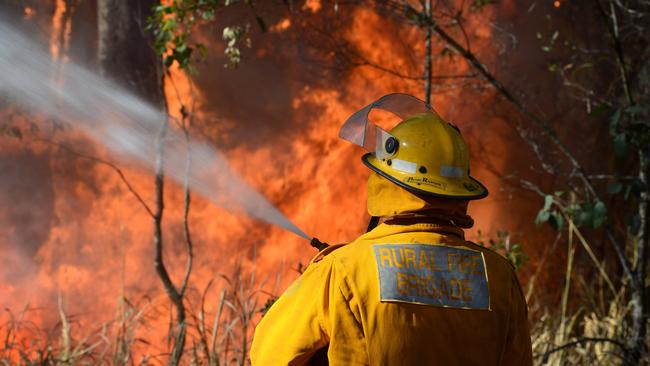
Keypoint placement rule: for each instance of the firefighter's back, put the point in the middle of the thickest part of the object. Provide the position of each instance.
(424, 296)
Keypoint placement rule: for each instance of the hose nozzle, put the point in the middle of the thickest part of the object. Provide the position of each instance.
(318, 244)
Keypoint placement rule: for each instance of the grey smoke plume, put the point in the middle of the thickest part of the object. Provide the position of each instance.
(125, 124)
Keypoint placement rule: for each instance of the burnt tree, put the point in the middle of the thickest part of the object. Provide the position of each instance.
(124, 48)
(126, 55)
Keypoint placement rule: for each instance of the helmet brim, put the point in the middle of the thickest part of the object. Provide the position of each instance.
(460, 192)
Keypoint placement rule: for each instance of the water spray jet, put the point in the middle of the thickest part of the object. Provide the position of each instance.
(125, 124)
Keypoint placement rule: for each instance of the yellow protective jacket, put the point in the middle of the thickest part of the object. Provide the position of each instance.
(402, 294)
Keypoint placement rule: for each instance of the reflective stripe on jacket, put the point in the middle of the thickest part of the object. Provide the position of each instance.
(414, 294)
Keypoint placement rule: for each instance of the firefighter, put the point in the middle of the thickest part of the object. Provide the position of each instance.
(412, 290)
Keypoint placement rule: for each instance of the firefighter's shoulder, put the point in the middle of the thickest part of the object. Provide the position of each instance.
(493, 253)
(325, 252)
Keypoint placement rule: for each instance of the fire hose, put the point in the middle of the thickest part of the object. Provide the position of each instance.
(318, 244)
(374, 221)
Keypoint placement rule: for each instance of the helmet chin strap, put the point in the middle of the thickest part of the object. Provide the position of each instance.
(374, 221)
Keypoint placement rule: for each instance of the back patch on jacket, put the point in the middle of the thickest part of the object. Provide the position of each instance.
(436, 275)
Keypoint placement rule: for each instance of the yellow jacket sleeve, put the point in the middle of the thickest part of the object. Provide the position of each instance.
(517, 350)
(317, 311)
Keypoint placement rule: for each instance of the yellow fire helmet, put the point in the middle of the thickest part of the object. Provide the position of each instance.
(423, 153)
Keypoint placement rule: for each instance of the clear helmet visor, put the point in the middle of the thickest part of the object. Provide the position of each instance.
(359, 130)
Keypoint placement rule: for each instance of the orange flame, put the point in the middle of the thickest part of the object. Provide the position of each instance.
(98, 246)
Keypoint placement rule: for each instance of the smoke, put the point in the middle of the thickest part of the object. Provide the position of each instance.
(123, 123)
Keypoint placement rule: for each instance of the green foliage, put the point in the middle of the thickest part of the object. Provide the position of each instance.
(504, 245)
(586, 213)
(234, 36)
(549, 43)
(600, 109)
(478, 5)
(629, 188)
(415, 17)
(550, 214)
(172, 26)
(629, 133)
(592, 214)
(614, 187)
(628, 128)
(634, 223)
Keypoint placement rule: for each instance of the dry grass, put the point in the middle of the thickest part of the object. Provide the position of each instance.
(218, 336)
(590, 338)
(582, 331)
(222, 336)
(591, 324)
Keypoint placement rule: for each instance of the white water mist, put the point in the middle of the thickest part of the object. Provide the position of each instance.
(124, 123)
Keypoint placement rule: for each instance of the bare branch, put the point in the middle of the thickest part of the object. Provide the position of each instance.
(525, 135)
(459, 22)
(617, 248)
(186, 208)
(612, 26)
(356, 59)
(429, 22)
(159, 264)
(365, 62)
(579, 341)
(622, 259)
(428, 72)
(491, 79)
(532, 187)
(108, 164)
(609, 177)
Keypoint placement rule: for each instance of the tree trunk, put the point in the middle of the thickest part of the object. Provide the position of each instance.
(126, 56)
(636, 344)
(428, 72)
(124, 49)
(639, 303)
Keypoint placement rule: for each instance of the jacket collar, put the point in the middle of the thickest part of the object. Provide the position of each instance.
(401, 225)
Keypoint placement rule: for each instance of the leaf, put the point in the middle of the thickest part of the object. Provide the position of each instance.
(261, 23)
(614, 187)
(628, 190)
(181, 47)
(554, 36)
(600, 109)
(634, 109)
(542, 217)
(620, 145)
(208, 14)
(203, 51)
(548, 201)
(556, 221)
(599, 215)
(613, 121)
(637, 187)
(634, 223)
(478, 5)
(169, 60)
(581, 214)
(411, 14)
